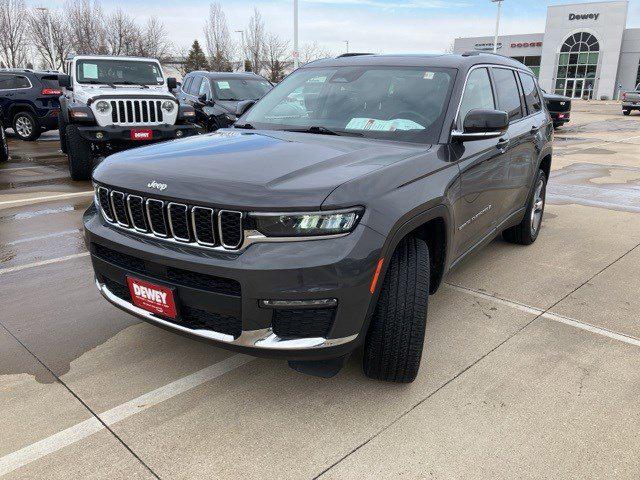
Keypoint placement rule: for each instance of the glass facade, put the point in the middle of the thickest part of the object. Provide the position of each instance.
(531, 61)
(577, 66)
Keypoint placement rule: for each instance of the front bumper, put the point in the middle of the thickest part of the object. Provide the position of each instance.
(340, 268)
(122, 135)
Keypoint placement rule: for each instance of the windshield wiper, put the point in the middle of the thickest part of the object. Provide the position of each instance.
(98, 82)
(127, 82)
(319, 129)
(246, 126)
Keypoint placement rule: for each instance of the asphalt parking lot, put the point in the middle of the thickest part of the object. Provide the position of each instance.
(531, 365)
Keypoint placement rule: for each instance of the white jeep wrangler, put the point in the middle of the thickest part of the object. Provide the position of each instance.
(114, 103)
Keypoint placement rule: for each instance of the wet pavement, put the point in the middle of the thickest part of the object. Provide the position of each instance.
(530, 370)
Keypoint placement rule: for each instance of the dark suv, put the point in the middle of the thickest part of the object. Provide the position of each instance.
(215, 96)
(29, 102)
(322, 223)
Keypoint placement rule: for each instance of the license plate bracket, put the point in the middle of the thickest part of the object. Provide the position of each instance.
(153, 298)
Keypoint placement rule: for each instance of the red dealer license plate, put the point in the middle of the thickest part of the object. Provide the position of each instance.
(153, 298)
(141, 134)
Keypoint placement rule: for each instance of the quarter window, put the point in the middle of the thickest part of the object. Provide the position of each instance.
(508, 93)
(531, 93)
(477, 94)
(22, 82)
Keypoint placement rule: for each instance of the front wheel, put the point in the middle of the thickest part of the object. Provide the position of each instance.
(26, 126)
(526, 232)
(394, 342)
(79, 154)
(62, 129)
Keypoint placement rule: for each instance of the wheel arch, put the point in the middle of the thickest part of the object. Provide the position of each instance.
(21, 107)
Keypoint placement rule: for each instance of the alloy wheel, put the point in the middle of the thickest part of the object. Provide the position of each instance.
(538, 207)
(24, 127)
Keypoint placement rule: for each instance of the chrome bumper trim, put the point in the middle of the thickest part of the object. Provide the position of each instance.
(261, 339)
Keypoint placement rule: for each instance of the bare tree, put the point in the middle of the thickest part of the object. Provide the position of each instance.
(153, 41)
(86, 26)
(122, 35)
(220, 47)
(255, 40)
(39, 32)
(13, 38)
(311, 52)
(276, 50)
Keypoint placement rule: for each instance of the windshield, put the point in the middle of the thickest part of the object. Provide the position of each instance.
(240, 89)
(119, 72)
(396, 103)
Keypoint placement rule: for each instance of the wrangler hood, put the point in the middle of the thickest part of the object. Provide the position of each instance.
(257, 170)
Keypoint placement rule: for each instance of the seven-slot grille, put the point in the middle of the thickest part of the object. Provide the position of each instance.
(183, 223)
(132, 112)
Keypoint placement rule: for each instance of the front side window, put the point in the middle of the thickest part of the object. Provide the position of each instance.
(477, 94)
(531, 93)
(119, 72)
(386, 102)
(204, 89)
(234, 89)
(187, 84)
(194, 88)
(508, 93)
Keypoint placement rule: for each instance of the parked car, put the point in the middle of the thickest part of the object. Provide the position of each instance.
(216, 95)
(303, 234)
(115, 103)
(559, 108)
(4, 146)
(29, 100)
(631, 101)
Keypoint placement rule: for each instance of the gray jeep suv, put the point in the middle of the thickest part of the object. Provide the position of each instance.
(324, 219)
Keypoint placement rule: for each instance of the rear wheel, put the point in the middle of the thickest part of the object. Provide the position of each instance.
(626, 112)
(393, 347)
(79, 154)
(4, 147)
(26, 126)
(526, 232)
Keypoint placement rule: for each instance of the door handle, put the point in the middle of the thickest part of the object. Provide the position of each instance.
(503, 144)
(534, 129)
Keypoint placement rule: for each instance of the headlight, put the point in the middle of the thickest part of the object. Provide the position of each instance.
(168, 106)
(306, 224)
(103, 107)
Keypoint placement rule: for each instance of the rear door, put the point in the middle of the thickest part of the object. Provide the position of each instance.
(483, 165)
(7, 94)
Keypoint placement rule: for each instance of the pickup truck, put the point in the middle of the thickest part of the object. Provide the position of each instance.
(631, 101)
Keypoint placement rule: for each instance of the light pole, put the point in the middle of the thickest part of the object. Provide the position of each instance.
(242, 52)
(346, 42)
(51, 46)
(495, 40)
(296, 52)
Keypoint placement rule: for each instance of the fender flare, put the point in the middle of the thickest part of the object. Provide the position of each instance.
(20, 107)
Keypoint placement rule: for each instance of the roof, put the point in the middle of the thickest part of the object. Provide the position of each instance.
(465, 60)
(245, 75)
(114, 57)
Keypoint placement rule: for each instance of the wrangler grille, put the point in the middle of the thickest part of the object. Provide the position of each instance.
(179, 222)
(132, 112)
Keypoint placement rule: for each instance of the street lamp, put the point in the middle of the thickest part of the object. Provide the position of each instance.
(296, 52)
(495, 40)
(51, 47)
(347, 44)
(242, 54)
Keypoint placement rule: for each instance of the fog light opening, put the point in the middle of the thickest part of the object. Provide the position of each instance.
(318, 303)
(99, 135)
(179, 133)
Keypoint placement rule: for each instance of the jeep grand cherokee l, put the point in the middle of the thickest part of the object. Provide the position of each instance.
(314, 227)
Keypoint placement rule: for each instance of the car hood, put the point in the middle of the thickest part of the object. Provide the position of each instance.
(86, 92)
(258, 170)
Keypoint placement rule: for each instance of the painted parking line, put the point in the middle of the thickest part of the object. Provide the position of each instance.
(550, 316)
(46, 198)
(42, 263)
(88, 427)
(43, 237)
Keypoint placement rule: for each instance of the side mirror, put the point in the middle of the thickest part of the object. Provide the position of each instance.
(65, 81)
(482, 124)
(172, 83)
(243, 106)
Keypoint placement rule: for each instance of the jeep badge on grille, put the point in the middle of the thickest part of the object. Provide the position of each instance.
(157, 185)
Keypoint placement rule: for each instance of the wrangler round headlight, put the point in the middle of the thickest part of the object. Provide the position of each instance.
(168, 106)
(307, 224)
(103, 107)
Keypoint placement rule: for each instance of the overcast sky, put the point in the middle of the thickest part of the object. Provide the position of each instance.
(381, 26)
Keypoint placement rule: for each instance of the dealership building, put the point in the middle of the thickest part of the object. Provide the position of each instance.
(586, 50)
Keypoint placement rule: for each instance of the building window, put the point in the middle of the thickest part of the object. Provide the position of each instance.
(577, 66)
(532, 61)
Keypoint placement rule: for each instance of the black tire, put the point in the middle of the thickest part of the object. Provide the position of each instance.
(525, 233)
(62, 130)
(4, 146)
(394, 342)
(626, 112)
(26, 126)
(79, 154)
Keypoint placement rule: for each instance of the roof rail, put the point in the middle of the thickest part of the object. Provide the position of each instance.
(474, 53)
(354, 54)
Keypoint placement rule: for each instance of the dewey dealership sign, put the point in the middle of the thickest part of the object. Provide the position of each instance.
(584, 16)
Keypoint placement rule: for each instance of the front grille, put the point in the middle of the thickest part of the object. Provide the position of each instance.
(132, 112)
(303, 323)
(187, 224)
(171, 275)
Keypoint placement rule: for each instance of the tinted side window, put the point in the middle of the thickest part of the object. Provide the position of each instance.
(7, 82)
(186, 84)
(204, 89)
(477, 93)
(531, 93)
(508, 93)
(22, 82)
(195, 86)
